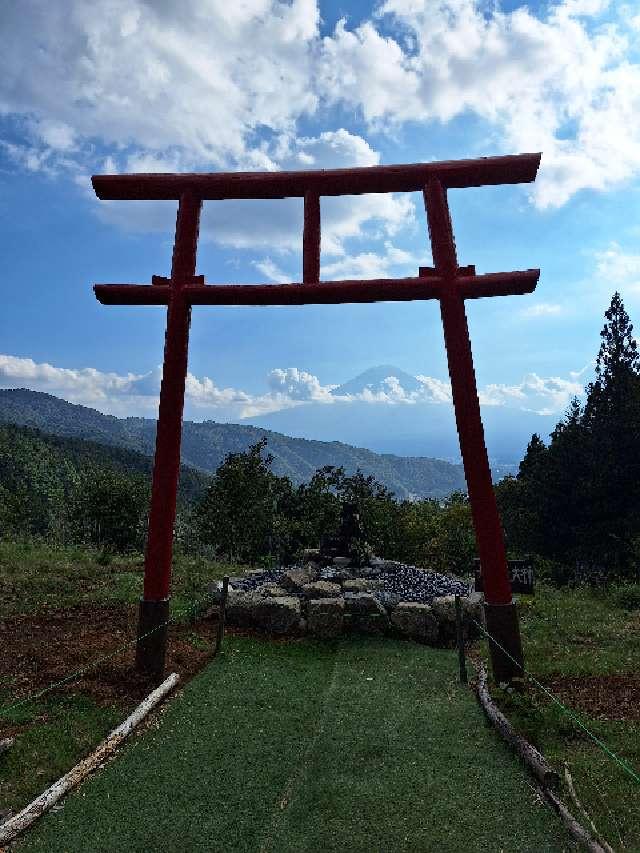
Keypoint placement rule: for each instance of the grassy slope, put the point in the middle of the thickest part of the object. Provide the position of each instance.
(36, 576)
(582, 632)
(365, 745)
(573, 632)
(63, 730)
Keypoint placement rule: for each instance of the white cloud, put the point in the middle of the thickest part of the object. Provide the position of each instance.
(393, 261)
(202, 76)
(206, 85)
(56, 135)
(275, 225)
(618, 268)
(299, 385)
(563, 85)
(87, 383)
(542, 309)
(435, 390)
(543, 395)
(272, 271)
(133, 394)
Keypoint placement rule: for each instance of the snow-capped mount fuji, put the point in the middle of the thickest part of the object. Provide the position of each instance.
(388, 410)
(376, 380)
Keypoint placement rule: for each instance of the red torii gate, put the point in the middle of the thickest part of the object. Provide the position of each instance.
(446, 281)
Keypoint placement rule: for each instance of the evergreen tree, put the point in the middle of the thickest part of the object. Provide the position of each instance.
(612, 421)
(617, 365)
(236, 515)
(520, 501)
(579, 498)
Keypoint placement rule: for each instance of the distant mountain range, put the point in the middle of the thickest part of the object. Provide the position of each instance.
(417, 428)
(205, 445)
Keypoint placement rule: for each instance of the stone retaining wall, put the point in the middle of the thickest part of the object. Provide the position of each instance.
(327, 601)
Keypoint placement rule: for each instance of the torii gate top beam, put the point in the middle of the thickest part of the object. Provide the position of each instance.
(484, 171)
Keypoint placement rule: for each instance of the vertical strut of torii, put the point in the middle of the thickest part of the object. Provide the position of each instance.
(446, 281)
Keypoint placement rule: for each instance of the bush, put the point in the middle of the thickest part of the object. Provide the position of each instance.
(556, 573)
(627, 596)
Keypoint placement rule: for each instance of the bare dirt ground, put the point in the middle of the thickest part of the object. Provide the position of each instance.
(39, 650)
(604, 697)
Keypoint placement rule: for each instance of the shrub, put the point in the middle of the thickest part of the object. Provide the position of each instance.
(627, 596)
(556, 573)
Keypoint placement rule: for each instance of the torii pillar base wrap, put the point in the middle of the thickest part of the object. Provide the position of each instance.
(151, 650)
(502, 624)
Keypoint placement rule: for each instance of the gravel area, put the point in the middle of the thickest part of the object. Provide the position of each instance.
(395, 581)
(407, 583)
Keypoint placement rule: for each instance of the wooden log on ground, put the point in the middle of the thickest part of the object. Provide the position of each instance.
(575, 829)
(537, 765)
(17, 824)
(534, 761)
(572, 792)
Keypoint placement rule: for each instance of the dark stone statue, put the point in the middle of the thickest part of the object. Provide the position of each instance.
(350, 540)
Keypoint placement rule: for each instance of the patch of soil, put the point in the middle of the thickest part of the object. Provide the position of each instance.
(37, 651)
(604, 697)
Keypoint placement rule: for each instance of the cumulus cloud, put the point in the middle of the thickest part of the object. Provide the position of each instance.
(298, 385)
(275, 225)
(208, 85)
(618, 268)
(201, 86)
(563, 83)
(543, 395)
(197, 76)
(131, 394)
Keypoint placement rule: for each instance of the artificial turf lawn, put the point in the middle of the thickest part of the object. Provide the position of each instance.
(362, 745)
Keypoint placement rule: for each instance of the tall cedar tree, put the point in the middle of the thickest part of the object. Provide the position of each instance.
(612, 421)
(579, 498)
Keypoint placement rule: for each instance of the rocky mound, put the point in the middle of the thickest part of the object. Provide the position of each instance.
(384, 597)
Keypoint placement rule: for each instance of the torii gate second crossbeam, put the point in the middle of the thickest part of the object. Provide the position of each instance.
(446, 281)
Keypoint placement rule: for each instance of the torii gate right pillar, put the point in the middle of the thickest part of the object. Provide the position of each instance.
(500, 611)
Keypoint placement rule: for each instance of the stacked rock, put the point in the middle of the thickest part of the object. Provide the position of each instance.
(325, 599)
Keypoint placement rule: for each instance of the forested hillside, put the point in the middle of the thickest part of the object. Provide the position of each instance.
(50, 484)
(205, 445)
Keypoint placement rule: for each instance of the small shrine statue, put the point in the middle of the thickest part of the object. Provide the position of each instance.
(350, 541)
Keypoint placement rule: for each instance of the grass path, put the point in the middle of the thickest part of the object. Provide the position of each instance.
(364, 746)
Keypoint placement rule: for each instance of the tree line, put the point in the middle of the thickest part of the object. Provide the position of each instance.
(575, 500)
(251, 515)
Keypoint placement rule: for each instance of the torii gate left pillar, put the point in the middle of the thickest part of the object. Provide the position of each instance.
(154, 605)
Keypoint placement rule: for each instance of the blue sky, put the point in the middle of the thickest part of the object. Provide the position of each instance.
(128, 86)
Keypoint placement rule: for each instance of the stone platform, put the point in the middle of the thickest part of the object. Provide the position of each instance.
(325, 601)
